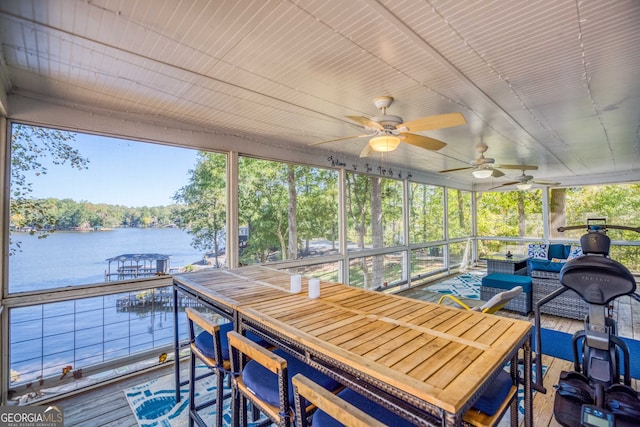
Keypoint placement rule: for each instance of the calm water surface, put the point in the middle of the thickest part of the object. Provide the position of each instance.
(77, 258)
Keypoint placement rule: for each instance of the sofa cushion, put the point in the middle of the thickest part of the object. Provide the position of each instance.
(538, 250)
(544, 265)
(496, 393)
(557, 250)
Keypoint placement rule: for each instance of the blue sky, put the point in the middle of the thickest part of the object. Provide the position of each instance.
(120, 172)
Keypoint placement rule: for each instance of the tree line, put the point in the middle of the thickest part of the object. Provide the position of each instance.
(68, 214)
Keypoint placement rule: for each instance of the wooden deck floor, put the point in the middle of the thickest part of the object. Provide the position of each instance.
(107, 405)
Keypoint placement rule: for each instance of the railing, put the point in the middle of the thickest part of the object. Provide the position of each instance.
(71, 338)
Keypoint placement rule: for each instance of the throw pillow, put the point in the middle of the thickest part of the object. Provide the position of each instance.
(557, 250)
(576, 251)
(537, 250)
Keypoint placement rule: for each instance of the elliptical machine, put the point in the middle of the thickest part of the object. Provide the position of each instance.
(593, 394)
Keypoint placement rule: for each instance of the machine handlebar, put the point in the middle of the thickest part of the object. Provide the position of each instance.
(602, 228)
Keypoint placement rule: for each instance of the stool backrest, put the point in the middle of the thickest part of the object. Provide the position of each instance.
(498, 301)
(333, 405)
(242, 349)
(196, 318)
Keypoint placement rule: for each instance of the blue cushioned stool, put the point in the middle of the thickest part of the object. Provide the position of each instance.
(204, 341)
(495, 394)
(262, 377)
(206, 346)
(488, 410)
(211, 346)
(495, 283)
(331, 409)
(380, 413)
(264, 383)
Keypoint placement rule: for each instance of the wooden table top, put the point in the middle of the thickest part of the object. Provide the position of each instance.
(438, 354)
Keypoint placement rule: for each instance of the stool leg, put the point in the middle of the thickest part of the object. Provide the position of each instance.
(236, 402)
(220, 374)
(192, 386)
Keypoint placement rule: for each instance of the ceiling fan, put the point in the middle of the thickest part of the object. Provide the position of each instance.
(485, 167)
(524, 182)
(388, 131)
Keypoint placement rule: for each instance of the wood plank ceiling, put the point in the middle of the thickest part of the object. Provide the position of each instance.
(552, 83)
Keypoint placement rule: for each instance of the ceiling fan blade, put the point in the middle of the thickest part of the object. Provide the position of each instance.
(421, 141)
(439, 121)
(366, 122)
(456, 169)
(497, 173)
(518, 167)
(543, 182)
(339, 139)
(504, 185)
(367, 151)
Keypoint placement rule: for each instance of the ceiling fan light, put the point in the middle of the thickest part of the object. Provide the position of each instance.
(523, 186)
(482, 173)
(384, 143)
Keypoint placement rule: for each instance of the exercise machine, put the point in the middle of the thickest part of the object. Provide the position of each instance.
(598, 391)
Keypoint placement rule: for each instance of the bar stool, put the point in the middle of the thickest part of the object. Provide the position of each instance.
(264, 381)
(211, 347)
(346, 408)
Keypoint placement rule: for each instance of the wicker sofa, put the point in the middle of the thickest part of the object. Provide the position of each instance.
(545, 278)
(569, 304)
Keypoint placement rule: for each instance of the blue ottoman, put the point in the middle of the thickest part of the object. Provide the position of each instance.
(495, 283)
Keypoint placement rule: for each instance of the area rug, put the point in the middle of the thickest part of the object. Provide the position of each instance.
(154, 405)
(464, 285)
(558, 344)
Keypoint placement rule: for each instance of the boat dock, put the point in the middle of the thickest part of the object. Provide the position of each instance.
(133, 266)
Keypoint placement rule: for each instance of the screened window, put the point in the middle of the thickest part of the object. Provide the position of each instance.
(460, 253)
(286, 211)
(510, 214)
(377, 272)
(374, 211)
(78, 200)
(425, 261)
(459, 213)
(617, 203)
(426, 219)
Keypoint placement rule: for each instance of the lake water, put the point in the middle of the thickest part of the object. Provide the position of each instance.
(75, 258)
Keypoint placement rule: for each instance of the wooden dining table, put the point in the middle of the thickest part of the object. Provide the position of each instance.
(427, 362)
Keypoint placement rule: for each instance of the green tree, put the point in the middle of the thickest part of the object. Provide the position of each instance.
(292, 213)
(426, 205)
(317, 191)
(510, 213)
(264, 209)
(29, 146)
(204, 197)
(365, 213)
(459, 210)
